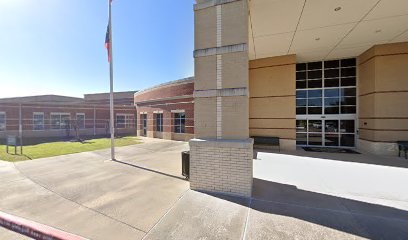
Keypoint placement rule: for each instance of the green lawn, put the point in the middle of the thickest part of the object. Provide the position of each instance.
(62, 147)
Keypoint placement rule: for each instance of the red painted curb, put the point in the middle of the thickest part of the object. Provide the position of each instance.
(33, 229)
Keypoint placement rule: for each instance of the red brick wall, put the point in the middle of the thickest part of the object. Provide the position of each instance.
(166, 106)
(165, 92)
(102, 114)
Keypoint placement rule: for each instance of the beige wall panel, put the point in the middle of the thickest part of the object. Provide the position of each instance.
(167, 135)
(205, 73)
(273, 61)
(390, 124)
(391, 104)
(282, 133)
(273, 81)
(366, 77)
(366, 106)
(234, 70)
(234, 23)
(205, 28)
(274, 107)
(235, 124)
(392, 73)
(386, 136)
(205, 116)
(366, 55)
(366, 134)
(393, 48)
(272, 123)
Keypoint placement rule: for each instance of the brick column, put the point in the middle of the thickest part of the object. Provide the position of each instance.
(221, 154)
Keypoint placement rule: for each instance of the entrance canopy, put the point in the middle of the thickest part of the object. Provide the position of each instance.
(321, 29)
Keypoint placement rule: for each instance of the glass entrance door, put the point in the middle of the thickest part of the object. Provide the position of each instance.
(326, 132)
(326, 103)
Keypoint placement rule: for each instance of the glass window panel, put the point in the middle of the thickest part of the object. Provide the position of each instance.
(347, 126)
(300, 75)
(301, 110)
(159, 122)
(314, 110)
(348, 72)
(300, 66)
(55, 121)
(301, 139)
(301, 94)
(314, 93)
(300, 84)
(332, 126)
(315, 139)
(331, 139)
(348, 101)
(348, 110)
(314, 74)
(350, 81)
(179, 122)
(301, 102)
(347, 140)
(331, 92)
(314, 65)
(301, 125)
(332, 82)
(332, 64)
(331, 110)
(331, 102)
(315, 102)
(350, 92)
(38, 121)
(2, 121)
(80, 120)
(315, 125)
(65, 121)
(314, 83)
(348, 62)
(120, 121)
(331, 73)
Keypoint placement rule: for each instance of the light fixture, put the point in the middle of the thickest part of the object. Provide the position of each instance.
(378, 31)
(337, 9)
(317, 39)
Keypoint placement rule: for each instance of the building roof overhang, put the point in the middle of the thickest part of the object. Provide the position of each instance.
(320, 29)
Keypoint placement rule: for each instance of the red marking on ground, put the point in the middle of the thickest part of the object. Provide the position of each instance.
(33, 229)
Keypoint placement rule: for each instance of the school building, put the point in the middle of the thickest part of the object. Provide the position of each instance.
(313, 73)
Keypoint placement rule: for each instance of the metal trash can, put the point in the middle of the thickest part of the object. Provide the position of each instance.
(185, 164)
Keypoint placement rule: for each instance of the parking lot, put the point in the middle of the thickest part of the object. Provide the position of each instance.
(143, 195)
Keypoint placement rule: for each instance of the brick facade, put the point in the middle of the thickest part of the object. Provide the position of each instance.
(96, 118)
(167, 99)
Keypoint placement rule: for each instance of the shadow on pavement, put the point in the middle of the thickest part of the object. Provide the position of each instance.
(367, 220)
(365, 158)
(150, 170)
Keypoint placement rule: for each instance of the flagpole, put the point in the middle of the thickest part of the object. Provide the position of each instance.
(112, 122)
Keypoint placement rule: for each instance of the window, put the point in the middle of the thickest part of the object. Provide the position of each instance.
(125, 121)
(159, 122)
(327, 87)
(2, 121)
(179, 122)
(60, 120)
(80, 117)
(38, 121)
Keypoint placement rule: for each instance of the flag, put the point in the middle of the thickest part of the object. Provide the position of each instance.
(107, 42)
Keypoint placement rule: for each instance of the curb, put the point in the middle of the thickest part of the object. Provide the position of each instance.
(33, 229)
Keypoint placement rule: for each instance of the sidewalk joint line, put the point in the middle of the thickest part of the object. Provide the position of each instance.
(70, 200)
(168, 211)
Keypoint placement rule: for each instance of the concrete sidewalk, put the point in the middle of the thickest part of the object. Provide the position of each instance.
(143, 195)
(88, 195)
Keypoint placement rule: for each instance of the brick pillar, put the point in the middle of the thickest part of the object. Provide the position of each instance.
(221, 154)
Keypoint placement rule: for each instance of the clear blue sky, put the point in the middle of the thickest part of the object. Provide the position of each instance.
(57, 46)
